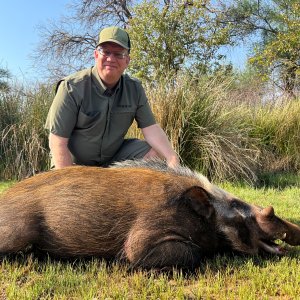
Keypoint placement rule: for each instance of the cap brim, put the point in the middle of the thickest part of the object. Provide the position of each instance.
(114, 41)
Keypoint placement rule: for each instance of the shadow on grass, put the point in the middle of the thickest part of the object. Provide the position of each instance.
(219, 263)
(278, 180)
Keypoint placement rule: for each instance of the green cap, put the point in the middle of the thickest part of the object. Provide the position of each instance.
(116, 35)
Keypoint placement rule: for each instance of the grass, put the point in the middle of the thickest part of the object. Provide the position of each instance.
(23, 139)
(279, 180)
(219, 133)
(276, 127)
(224, 277)
(5, 184)
(212, 134)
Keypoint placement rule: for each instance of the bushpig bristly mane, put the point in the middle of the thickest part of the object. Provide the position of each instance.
(180, 170)
(156, 164)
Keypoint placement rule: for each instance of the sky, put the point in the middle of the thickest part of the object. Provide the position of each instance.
(19, 20)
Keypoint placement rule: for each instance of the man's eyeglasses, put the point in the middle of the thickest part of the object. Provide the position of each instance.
(118, 55)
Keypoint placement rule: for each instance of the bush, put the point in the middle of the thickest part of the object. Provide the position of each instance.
(208, 132)
(209, 125)
(23, 140)
(217, 129)
(277, 129)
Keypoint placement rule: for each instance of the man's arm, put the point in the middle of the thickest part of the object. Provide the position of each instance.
(61, 155)
(158, 140)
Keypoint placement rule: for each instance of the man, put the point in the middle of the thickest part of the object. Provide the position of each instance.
(94, 108)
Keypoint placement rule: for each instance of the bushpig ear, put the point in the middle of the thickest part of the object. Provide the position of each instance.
(268, 212)
(199, 200)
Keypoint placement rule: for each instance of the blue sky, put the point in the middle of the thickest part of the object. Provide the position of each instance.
(19, 20)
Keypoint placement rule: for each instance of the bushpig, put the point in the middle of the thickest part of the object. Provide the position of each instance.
(140, 211)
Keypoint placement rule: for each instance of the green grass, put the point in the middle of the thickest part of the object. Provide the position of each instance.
(6, 184)
(279, 180)
(223, 277)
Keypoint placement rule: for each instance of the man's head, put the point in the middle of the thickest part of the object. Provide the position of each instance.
(112, 54)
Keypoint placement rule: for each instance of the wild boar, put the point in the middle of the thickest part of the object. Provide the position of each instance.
(141, 211)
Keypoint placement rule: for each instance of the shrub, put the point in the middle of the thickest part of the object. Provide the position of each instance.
(208, 132)
(277, 129)
(210, 126)
(23, 140)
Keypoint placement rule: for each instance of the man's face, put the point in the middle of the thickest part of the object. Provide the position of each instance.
(110, 65)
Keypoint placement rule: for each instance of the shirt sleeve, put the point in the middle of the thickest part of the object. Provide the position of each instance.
(62, 116)
(144, 115)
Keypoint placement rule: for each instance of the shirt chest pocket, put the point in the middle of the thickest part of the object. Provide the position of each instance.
(88, 120)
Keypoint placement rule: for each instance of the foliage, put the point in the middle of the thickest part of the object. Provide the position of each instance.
(220, 129)
(170, 35)
(247, 87)
(208, 130)
(278, 180)
(283, 48)
(217, 124)
(276, 26)
(4, 76)
(23, 140)
(5, 185)
(167, 38)
(24, 276)
(67, 45)
(277, 129)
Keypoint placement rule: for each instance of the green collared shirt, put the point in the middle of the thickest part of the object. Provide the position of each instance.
(94, 118)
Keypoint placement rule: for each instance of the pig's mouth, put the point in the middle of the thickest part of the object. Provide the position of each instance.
(271, 247)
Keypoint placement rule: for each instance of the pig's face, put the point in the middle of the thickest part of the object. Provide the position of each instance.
(251, 229)
(248, 228)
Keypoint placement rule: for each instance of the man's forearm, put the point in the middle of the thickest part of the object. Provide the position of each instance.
(61, 155)
(158, 140)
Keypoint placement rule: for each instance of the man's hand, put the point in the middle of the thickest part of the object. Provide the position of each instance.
(173, 162)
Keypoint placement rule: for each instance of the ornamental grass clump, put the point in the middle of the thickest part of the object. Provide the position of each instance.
(210, 134)
(277, 129)
(23, 140)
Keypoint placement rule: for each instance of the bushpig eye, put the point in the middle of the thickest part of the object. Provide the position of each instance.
(234, 204)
